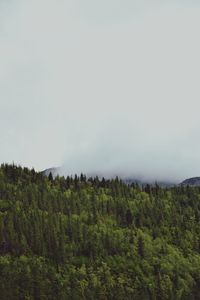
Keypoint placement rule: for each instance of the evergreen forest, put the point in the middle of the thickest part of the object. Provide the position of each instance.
(96, 239)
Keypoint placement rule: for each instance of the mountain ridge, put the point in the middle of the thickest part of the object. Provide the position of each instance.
(193, 181)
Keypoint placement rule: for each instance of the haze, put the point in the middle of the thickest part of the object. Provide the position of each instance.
(108, 87)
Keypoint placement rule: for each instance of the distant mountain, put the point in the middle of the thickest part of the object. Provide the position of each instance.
(194, 181)
(53, 171)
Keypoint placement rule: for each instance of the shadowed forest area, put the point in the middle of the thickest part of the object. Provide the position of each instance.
(90, 238)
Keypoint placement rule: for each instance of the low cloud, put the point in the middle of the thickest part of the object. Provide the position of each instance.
(107, 90)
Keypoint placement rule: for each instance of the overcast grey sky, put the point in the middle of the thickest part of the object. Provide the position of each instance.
(108, 86)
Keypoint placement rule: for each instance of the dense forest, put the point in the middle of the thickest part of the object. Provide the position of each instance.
(90, 238)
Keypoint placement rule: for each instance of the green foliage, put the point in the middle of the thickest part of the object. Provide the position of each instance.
(79, 238)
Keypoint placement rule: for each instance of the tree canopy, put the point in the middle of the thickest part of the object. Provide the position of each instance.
(92, 238)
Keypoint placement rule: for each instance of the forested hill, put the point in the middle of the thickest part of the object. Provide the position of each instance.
(79, 238)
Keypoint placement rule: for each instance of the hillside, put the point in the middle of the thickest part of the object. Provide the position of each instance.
(194, 181)
(79, 238)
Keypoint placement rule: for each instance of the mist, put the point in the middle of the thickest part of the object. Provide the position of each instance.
(105, 87)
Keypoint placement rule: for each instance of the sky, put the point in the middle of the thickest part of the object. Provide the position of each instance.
(109, 87)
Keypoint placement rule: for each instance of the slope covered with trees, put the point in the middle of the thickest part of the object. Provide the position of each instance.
(79, 238)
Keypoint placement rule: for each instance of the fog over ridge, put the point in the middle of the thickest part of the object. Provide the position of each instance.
(108, 87)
